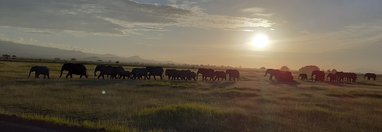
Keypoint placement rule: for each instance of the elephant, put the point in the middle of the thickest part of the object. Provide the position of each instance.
(178, 75)
(220, 75)
(39, 70)
(170, 73)
(174, 74)
(191, 76)
(271, 72)
(206, 73)
(77, 69)
(98, 69)
(284, 76)
(155, 71)
(281, 76)
(303, 76)
(340, 77)
(370, 76)
(112, 71)
(318, 76)
(233, 74)
(139, 73)
(125, 75)
(187, 75)
(350, 77)
(332, 77)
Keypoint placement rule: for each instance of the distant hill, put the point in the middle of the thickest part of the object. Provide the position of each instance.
(31, 51)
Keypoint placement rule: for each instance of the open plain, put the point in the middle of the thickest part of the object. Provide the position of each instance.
(252, 104)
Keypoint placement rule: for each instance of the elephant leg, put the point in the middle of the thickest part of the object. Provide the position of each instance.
(270, 77)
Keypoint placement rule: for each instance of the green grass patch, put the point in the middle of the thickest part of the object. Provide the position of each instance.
(191, 117)
(175, 84)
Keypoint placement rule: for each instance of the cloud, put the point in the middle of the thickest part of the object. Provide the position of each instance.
(351, 37)
(114, 17)
(257, 12)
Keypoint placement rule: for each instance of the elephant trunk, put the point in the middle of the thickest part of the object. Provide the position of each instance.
(61, 73)
(30, 73)
(266, 73)
(95, 72)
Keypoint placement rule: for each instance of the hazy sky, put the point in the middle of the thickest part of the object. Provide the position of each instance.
(341, 34)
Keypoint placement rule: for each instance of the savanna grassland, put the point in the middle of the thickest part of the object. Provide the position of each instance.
(252, 104)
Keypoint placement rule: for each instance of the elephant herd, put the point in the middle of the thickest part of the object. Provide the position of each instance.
(336, 77)
(210, 74)
(318, 76)
(146, 73)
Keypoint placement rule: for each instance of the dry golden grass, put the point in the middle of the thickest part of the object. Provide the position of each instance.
(253, 104)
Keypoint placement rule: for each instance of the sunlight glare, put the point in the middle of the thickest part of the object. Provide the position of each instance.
(260, 41)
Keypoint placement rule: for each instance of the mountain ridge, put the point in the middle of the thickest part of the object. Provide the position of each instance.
(34, 51)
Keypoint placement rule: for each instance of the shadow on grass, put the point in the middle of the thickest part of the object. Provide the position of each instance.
(221, 84)
(193, 117)
(76, 82)
(340, 95)
(356, 95)
(368, 95)
(368, 84)
(171, 84)
(292, 83)
(336, 84)
(21, 124)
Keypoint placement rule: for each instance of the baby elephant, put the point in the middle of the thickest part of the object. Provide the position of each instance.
(39, 70)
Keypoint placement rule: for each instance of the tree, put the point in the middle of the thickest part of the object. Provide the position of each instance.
(73, 59)
(117, 62)
(334, 71)
(13, 56)
(6, 56)
(308, 69)
(284, 68)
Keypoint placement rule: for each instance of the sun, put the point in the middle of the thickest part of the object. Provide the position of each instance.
(260, 41)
